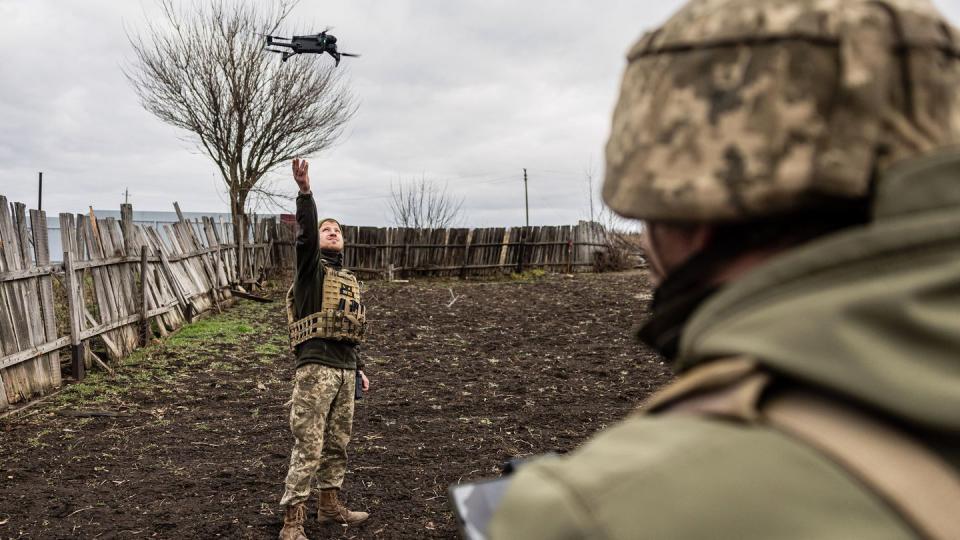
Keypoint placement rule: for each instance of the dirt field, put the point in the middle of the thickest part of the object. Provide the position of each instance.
(197, 444)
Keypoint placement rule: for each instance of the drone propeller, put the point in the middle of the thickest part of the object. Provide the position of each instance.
(349, 54)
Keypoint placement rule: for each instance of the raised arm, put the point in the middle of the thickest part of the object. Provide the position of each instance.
(308, 248)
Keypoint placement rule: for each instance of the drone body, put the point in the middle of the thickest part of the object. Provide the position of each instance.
(311, 44)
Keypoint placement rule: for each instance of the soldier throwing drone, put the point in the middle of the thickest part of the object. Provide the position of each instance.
(327, 323)
(314, 44)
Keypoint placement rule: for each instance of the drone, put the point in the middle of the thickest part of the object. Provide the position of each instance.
(316, 44)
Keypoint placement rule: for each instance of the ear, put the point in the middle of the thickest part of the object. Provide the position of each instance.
(669, 245)
(697, 237)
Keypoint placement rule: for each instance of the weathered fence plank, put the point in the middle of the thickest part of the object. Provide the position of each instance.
(158, 293)
(24, 379)
(185, 306)
(122, 277)
(41, 246)
(105, 283)
(34, 352)
(12, 378)
(36, 333)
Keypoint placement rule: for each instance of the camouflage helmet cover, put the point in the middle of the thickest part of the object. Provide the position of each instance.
(739, 109)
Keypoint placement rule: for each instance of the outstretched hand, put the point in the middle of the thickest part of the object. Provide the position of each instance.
(300, 167)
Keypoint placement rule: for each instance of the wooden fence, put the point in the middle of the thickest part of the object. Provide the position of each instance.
(118, 284)
(400, 252)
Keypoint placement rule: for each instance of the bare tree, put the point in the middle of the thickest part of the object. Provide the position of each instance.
(423, 204)
(202, 68)
(621, 237)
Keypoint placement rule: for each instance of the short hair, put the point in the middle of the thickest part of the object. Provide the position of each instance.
(324, 220)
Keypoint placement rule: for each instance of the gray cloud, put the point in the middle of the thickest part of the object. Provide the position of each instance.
(469, 92)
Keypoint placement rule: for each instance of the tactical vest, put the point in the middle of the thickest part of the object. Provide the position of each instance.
(915, 482)
(341, 317)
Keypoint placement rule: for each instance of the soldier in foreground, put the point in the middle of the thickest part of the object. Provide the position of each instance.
(795, 163)
(327, 321)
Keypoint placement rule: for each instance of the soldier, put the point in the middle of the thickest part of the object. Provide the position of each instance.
(327, 321)
(792, 162)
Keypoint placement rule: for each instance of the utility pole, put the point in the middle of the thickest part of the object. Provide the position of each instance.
(523, 235)
(526, 198)
(590, 189)
(126, 196)
(590, 186)
(40, 193)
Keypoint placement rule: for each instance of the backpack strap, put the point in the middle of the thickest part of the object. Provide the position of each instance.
(917, 483)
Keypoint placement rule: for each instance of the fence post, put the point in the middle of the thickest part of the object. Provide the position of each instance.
(523, 238)
(4, 402)
(240, 230)
(268, 261)
(271, 235)
(77, 369)
(466, 255)
(126, 227)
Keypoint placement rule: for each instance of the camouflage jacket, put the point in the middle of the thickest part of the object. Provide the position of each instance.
(869, 315)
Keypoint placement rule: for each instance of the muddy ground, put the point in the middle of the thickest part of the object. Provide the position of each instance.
(198, 443)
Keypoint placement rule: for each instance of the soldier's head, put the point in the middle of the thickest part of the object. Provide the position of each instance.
(745, 127)
(331, 237)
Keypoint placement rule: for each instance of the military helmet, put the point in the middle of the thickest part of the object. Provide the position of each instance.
(741, 109)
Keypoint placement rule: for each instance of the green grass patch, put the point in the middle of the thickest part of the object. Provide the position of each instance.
(93, 385)
(205, 344)
(220, 329)
(529, 275)
(223, 366)
(270, 349)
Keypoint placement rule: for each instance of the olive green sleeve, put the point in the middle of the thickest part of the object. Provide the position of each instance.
(537, 506)
(691, 478)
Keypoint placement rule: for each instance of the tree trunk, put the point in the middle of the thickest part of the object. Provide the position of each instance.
(238, 201)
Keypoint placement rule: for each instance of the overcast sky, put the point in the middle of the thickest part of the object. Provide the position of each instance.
(466, 92)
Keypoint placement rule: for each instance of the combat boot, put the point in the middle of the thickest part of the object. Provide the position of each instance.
(293, 519)
(332, 511)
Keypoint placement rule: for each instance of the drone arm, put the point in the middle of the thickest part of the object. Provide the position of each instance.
(336, 57)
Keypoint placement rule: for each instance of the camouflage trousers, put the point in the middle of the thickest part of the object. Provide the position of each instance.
(321, 419)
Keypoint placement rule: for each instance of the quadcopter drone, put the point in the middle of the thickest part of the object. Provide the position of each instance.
(316, 43)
